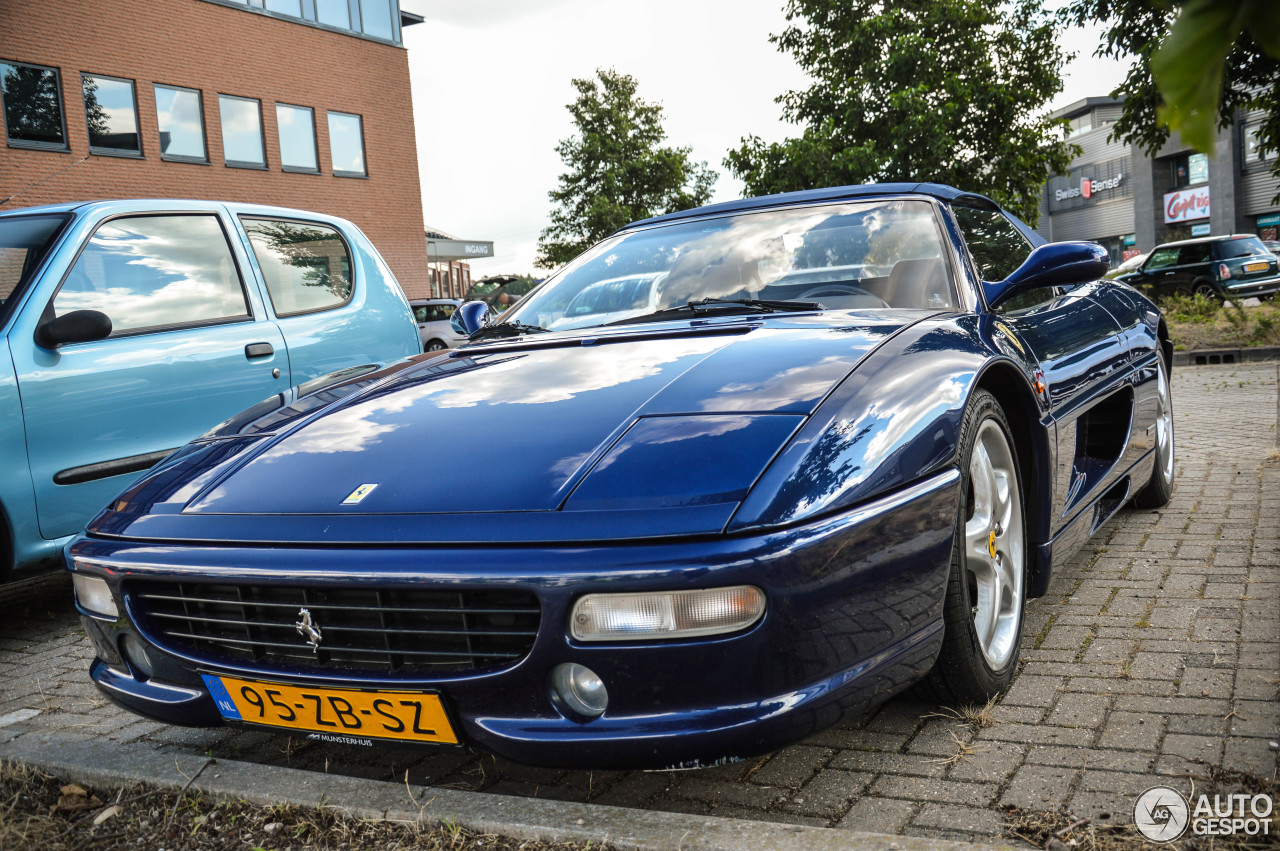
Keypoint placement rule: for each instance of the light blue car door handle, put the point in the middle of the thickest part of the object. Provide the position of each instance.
(258, 350)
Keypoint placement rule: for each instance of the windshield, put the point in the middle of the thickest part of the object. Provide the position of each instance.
(872, 255)
(24, 240)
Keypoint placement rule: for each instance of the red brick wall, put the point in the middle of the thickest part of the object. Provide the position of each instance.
(221, 50)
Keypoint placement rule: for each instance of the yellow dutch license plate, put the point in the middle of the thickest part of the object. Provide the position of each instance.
(1255, 267)
(401, 716)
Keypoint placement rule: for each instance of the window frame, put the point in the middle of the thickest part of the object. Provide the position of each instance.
(315, 140)
(65, 147)
(265, 165)
(251, 316)
(270, 300)
(364, 149)
(137, 120)
(311, 18)
(204, 129)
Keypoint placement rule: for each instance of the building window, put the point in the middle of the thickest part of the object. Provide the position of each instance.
(180, 117)
(334, 13)
(296, 126)
(306, 266)
(346, 144)
(1249, 137)
(32, 106)
(1080, 124)
(111, 112)
(242, 145)
(1188, 170)
(378, 19)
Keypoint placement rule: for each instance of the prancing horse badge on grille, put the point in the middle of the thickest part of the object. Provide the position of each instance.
(307, 627)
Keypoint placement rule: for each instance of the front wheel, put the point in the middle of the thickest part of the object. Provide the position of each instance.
(1159, 489)
(986, 589)
(435, 346)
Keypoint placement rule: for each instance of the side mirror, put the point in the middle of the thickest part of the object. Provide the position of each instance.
(471, 317)
(78, 326)
(1057, 264)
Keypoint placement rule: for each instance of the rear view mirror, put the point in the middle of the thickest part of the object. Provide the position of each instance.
(1057, 264)
(78, 326)
(471, 317)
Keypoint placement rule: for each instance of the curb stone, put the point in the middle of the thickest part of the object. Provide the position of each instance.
(1248, 354)
(94, 762)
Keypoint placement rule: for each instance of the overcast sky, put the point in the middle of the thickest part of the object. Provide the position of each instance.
(491, 79)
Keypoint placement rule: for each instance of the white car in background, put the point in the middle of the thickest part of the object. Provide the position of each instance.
(432, 316)
(1127, 266)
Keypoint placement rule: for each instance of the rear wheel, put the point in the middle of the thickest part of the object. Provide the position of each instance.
(435, 346)
(1159, 489)
(986, 589)
(1204, 288)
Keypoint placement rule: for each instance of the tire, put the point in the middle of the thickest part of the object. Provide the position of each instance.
(986, 594)
(1204, 288)
(1159, 489)
(434, 346)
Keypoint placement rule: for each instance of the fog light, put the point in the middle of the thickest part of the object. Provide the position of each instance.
(94, 595)
(135, 653)
(674, 614)
(580, 689)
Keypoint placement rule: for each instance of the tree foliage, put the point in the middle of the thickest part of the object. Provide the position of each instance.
(618, 169)
(952, 91)
(1209, 57)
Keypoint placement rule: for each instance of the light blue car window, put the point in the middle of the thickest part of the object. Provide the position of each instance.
(307, 266)
(156, 272)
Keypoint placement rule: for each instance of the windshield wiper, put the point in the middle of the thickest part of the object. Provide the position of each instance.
(504, 329)
(753, 305)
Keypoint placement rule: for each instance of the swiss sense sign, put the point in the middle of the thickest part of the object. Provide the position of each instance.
(1186, 204)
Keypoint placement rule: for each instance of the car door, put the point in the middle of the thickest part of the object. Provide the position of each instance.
(1160, 275)
(189, 347)
(1076, 342)
(328, 292)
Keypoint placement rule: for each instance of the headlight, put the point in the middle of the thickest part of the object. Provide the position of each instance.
(94, 595)
(672, 614)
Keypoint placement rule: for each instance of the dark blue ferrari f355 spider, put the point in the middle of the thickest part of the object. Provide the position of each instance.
(726, 478)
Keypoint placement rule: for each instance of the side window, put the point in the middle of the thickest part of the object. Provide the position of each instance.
(996, 245)
(307, 266)
(420, 314)
(1162, 257)
(1198, 253)
(156, 272)
(441, 312)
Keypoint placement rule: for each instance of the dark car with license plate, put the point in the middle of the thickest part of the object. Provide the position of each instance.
(1224, 267)
(825, 448)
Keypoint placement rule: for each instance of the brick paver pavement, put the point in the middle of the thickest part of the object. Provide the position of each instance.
(1156, 650)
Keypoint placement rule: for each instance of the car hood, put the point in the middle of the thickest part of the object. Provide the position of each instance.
(517, 428)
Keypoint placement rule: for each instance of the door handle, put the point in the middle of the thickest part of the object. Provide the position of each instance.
(258, 350)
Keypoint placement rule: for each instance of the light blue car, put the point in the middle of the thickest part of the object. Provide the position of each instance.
(128, 328)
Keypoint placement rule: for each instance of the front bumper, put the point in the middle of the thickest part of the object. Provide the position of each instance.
(854, 615)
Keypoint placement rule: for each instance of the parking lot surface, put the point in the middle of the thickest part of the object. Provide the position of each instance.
(1155, 654)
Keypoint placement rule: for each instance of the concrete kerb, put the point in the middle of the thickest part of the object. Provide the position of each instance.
(100, 763)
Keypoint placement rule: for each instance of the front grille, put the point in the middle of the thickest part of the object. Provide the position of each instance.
(361, 630)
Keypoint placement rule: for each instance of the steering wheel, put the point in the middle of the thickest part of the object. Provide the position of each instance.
(839, 289)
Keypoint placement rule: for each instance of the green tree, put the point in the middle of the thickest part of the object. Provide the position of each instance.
(952, 91)
(618, 170)
(1194, 65)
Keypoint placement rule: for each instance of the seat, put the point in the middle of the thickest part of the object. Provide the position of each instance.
(919, 284)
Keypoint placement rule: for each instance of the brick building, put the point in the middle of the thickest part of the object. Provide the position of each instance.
(298, 103)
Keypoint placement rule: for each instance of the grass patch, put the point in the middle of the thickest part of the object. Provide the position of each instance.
(1196, 322)
(37, 810)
